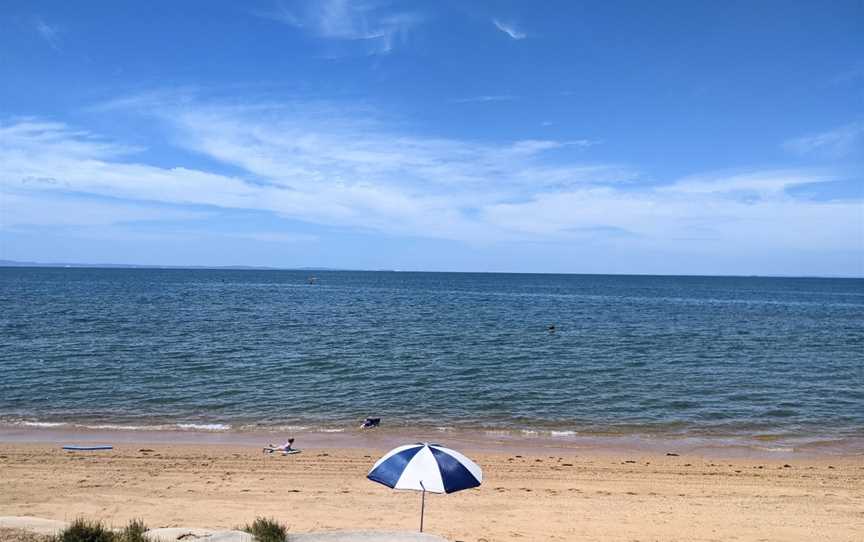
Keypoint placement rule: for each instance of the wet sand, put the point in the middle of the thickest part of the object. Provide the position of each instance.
(544, 492)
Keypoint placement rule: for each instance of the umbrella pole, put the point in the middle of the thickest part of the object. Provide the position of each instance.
(422, 508)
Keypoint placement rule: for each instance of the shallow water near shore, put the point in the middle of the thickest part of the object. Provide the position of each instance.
(774, 363)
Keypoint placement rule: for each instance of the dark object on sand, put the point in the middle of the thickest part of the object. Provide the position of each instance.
(85, 448)
(371, 422)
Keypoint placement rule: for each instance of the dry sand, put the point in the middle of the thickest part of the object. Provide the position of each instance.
(604, 496)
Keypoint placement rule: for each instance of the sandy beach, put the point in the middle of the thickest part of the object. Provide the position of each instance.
(535, 494)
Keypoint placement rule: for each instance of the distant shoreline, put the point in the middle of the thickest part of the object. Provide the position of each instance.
(12, 264)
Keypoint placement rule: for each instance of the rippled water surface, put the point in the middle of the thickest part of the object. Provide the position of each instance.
(760, 357)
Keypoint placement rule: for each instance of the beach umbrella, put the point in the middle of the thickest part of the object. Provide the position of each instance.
(426, 467)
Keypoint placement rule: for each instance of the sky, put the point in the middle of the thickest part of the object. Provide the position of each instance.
(668, 137)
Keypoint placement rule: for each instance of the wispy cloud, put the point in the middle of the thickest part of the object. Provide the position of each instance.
(534, 146)
(324, 164)
(27, 205)
(48, 32)
(748, 184)
(667, 217)
(837, 143)
(301, 163)
(275, 237)
(487, 98)
(509, 29)
(375, 25)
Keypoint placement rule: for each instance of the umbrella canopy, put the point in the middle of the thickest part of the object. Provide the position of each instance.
(426, 467)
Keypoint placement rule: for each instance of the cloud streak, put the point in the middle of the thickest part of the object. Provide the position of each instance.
(487, 98)
(48, 33)
(373, 25)
(509, 29)
(327, 165)
(837, 143)
(301, 167)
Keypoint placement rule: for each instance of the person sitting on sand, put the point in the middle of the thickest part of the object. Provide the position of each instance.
(285, 448)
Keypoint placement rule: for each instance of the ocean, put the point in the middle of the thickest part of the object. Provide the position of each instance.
(764, 360)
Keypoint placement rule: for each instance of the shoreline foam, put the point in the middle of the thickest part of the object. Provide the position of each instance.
(483, 441)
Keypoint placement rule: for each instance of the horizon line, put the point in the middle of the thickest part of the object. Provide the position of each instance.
(15, 264)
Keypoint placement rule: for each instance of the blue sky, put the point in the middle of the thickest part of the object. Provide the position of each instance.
(584, 137)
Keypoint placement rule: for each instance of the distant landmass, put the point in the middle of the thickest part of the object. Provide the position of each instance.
(15, 263)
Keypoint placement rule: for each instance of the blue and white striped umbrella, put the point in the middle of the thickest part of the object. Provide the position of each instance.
(426, 467)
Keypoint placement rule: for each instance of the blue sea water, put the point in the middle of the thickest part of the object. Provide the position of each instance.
(767, 358)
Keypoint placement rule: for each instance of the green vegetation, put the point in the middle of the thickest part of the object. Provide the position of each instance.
(267, 530)
(133, 532)
(82, 530)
